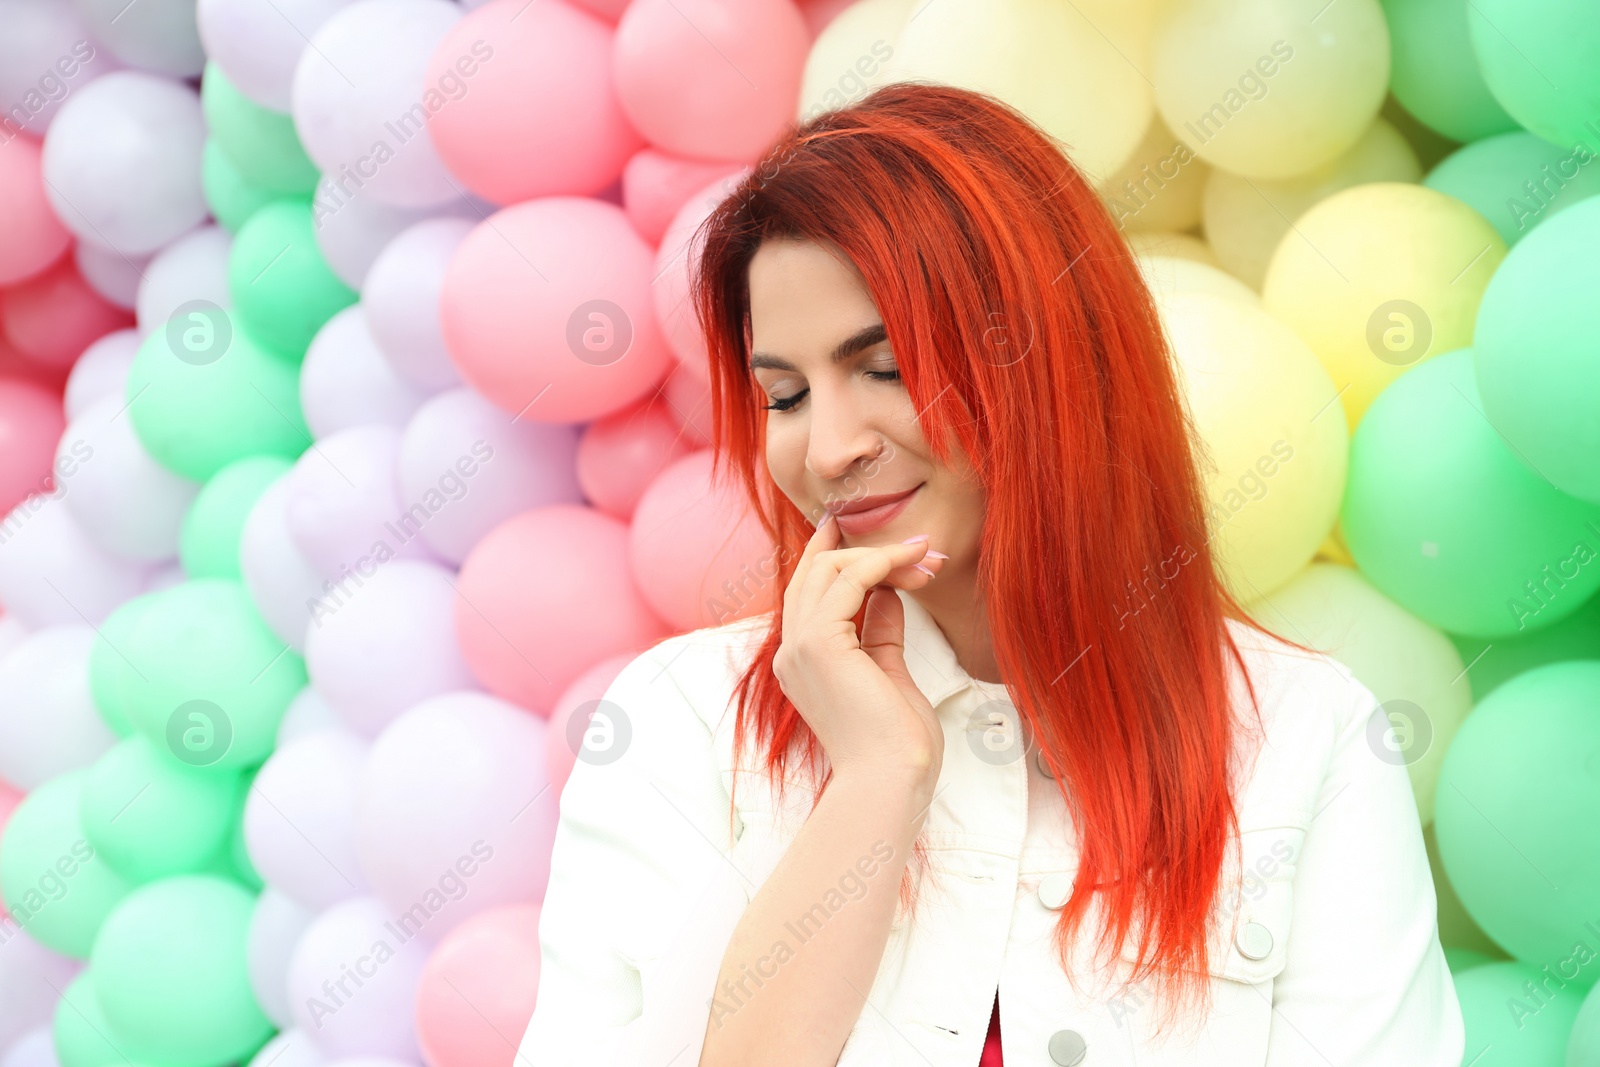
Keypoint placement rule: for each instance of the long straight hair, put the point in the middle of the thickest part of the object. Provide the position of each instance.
(1025, 335)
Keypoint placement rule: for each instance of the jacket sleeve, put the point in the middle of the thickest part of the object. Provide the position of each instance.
(1366, 981)
(642, 899)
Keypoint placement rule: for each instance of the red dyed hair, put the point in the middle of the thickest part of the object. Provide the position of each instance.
(1026, 336)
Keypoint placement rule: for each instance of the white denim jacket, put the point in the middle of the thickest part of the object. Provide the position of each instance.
(1326, 952)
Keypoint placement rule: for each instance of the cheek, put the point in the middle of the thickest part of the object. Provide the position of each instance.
(786, 456)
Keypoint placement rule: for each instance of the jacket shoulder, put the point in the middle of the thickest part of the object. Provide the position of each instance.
(705, 664)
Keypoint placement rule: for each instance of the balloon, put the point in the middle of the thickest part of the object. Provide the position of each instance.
(52, 317)
(113, 277)
(849, 58)
(1435, 75)
(283, 584)
(464, 468)
(1261, 403)
(1159, 187)
(48, 721)
(50, 572)
(306, 715)
(376, 1017)
(1493, 662)
(1260, 89)
(1246, 219)
(82, 1036)
(582, 699)
(300, 819)
(281, 285)
(621, 454)
(214, 524)
(259, 142)
(1584, 1041)
(1174, 245)
(362, 99)
(1548, 78)
(455, 816)
(207, 395)
(1536, 351)
(1516, 180)
(129, 504)
(346, 382)
(229, 196)
(531, 110)
(151, 816)
(353, 230)
(655, 184)
(292, 1048)
(110, 674)
(46, 54)
(122, 161)
(30, 424)
(679, 247)
(53, 882)
(258, 42)
(1169, 275)
(158, 36)
(34, 237)
(689, 397)
(30, 978)
(344, 509)
(170, 973)
(275, 926)
(190, 270)
(480, 984)
(400, 301)
(546, 310)
(36, 1049)
(528, 629)
(1505, 1026)
(1378, 278)
(382, 641)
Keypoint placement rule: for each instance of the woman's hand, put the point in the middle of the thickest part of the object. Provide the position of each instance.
(856, 694)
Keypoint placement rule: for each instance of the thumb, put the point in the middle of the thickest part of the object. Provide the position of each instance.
(883, 634)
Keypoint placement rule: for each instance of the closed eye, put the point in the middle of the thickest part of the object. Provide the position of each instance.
(787, 403)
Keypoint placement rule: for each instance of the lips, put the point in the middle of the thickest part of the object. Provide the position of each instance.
(867, 503)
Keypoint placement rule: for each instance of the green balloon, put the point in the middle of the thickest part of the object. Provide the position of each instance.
(281, 286)
(1494, 176)
(171, 976)
(1491, 664)
(1445, 520)
(212, 681)
(152, 816)
(1528, 753)
(1541, 60)
(231, 198)
(1456, 928)
(218, 397)
(1461, 959)
(52, 881)
(1427, 40)
(83, 1038)
(209, 542)
(1536, 349)
(232, 860)
(1509, 1027)
(1584, 1044)
(109, 669)
(261, 143)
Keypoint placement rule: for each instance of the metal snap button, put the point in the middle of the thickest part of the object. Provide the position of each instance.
(1254, 941)
(1054, 890)
(1067, 1047)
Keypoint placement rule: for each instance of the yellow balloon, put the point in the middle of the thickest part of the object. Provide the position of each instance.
(1159, 187)
(1276, 449)
(1413, 669)
(850, 57)
(1245, 218)
(1379, 277)
(1075, 69)
(1166, 275)
(1259, 88)
(1166, 243)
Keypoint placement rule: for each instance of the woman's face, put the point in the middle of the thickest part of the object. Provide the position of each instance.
(844, 433)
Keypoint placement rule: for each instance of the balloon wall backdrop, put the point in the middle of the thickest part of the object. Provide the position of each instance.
(354, 436)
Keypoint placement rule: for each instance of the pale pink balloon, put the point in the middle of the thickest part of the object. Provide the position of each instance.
(655, 185)
(711, 79)
(621, 454)
(35, 238)
(610, 10)
(31, 423)
(581, 698)
(546, 310)
(52, 317)
(818, 13)
(678, 252)
(536, 115)
(698, 552)
(689, 396)
(479, 988)
(545, 596)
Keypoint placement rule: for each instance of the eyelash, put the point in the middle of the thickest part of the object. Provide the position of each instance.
(788, 402)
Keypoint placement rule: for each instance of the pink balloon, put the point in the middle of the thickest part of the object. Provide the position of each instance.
(546, 310)
(818, 13)
(478, 988)
(17, 367)
(711, 79)
(680, 247)
(52, 317)
(655, 185)
(537, 115)
(621, 454)
(698, 552)
(35, 238)
(689, 396)
(581, 698)
(546, 595)
(31, 423)
(610, 10)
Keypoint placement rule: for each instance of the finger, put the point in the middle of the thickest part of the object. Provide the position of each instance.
(848, 591)
(822, 539)
(827, 566)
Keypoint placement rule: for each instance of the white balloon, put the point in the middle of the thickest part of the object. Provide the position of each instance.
(258, 42)
(46, 54)
(51, 572)
(345, 382)
(101, 371)
(165, 576)
(466, 466)
(281, 582)
(307, 713)
(48, 721)
(353, 227)
(299, 820)
(401, 301)
(276, 924)
(156, 35)
(36, 1048)
(12, 633)
(357, 100)
(194, 267)
(111, 274)
(30, 974)
(291, 1048)
(376, 1017)
(129, 504)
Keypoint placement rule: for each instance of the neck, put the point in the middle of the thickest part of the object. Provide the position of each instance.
(958, 610)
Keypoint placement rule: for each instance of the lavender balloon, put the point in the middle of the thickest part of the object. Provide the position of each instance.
(30, 974)
(283, 584)
(299, 820)
(46, 54)
(257, 43)
(129, 504)
(276, 925)
(51, 572)
(154, 35)
(401, 301)
(345, 382)
(353, 226)
(194, 267)
(48, 721)
(353, 981)
(114, 276)
(307, 714)
(101, 371)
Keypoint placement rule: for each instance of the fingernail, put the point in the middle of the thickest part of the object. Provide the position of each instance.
(917, 537)
(925, 570)
(937, 555)
(826, 515)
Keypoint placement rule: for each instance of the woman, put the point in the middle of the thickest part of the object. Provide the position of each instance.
(1013, 769)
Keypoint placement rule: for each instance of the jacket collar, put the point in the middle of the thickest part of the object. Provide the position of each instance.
(930, 659)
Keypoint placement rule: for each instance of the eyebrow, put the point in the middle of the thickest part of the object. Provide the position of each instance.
(863, 338)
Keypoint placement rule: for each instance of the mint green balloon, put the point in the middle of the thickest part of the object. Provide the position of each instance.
(1511, 815)
(171, 977)
(261, 143)
(82, 1036)
(1443, 518)
(1541, 60)
(1536, 350)
(281, 286)
(1432, 72)
(232, 860)
(1508, 1027)
(212, 681)
(109, 668)
(152, 816)
(1492, 663)
(1494, 176)
(1584, 1044)
(1462, 959)
(208, 544)
(198, 411)
(52, 881)
(229, 195)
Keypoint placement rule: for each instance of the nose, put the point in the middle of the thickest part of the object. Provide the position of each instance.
(840, 437)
